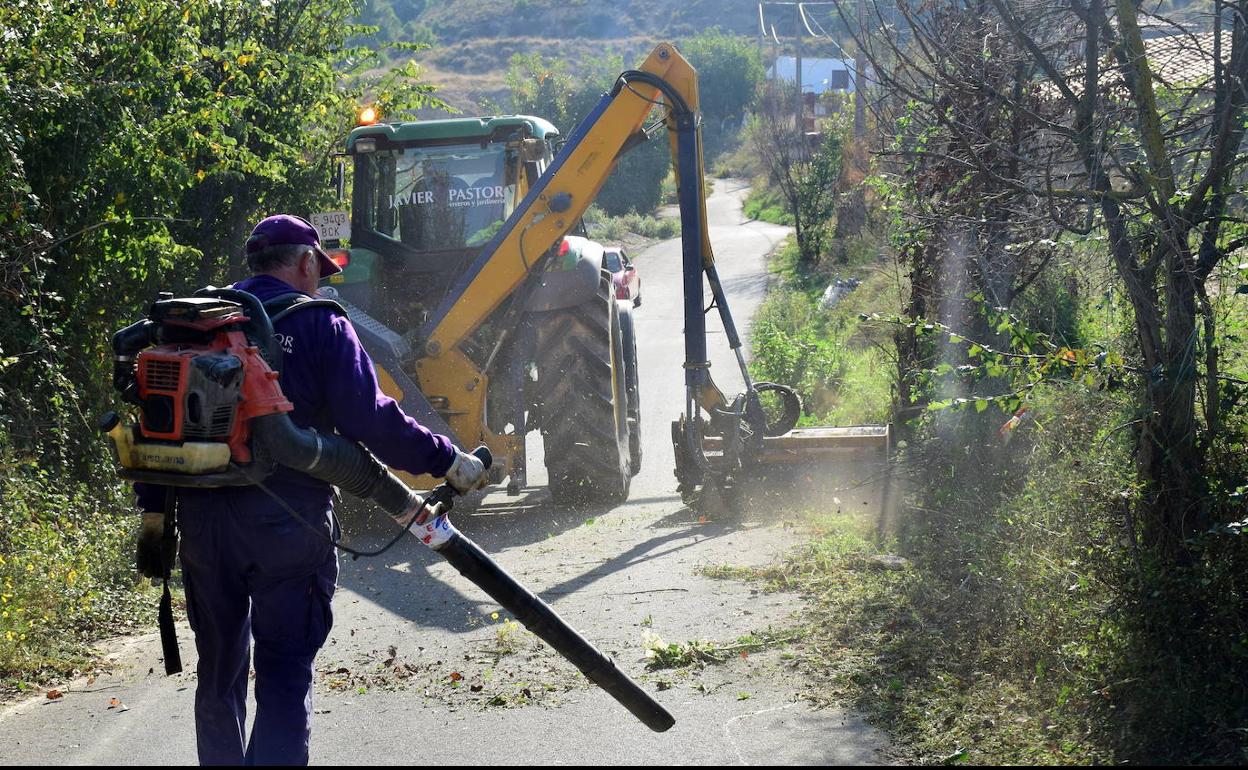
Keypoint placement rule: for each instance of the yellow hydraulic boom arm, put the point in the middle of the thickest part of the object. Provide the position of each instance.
(554, 205)
(557, 203)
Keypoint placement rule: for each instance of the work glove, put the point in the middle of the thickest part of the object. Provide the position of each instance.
(420, 511)
(149, 557)
(466, 473)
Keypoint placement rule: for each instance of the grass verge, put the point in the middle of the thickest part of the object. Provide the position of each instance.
(765, 204)
(1024, 626)
(805, 337)
(887, 638)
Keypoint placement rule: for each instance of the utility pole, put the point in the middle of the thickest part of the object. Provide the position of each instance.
(797, 48)
(860, 69)
(762, 27)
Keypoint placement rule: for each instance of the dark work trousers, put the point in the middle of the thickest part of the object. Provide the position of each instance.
(252, 572)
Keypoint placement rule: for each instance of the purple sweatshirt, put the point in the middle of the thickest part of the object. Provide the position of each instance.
(331, 381)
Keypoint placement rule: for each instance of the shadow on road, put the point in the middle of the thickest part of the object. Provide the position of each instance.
(412, 581)
(745, 284)
(653, 548)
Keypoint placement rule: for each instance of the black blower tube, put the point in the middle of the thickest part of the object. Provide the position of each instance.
(347, 465)
(537, 616)
(332, 458)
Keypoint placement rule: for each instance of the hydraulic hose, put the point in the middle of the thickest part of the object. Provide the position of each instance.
(535, 614)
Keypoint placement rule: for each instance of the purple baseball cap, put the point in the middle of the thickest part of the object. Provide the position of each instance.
(289, 229)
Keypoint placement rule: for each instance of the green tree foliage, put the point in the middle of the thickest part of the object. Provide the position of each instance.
(817, 188)
(139, 140)
(548, 89)
(730, 70)
(559, 20)
(394, 22)
(805, 178)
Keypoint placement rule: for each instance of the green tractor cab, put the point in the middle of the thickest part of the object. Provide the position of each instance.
(427, 198)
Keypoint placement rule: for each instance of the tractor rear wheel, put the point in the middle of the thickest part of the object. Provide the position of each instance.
(582, 401)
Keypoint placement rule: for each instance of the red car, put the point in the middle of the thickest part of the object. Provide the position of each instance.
(623, 274)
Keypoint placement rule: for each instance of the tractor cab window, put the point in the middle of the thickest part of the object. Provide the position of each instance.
(440, 198)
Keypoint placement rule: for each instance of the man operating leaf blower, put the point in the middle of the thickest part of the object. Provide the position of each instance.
(251, 571)
(247, 465)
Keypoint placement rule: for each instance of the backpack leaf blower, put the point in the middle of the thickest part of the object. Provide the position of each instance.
(202, 374)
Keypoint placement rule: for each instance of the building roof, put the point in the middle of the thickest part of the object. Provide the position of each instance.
(818, 75)
(1181, 62)
(1184, 60)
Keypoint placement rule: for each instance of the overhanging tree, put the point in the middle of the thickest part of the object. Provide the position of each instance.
(1141, 140)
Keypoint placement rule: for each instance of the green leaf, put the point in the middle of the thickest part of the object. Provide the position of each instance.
(981, 404)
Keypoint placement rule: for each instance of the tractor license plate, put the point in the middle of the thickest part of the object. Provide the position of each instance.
(332, 225)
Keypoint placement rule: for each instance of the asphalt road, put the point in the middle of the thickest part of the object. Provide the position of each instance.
(420, 669)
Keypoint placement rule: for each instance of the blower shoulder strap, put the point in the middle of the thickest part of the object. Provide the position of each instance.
(284, 304)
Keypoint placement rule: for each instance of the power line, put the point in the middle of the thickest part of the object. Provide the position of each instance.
(765, 28)
(809, 20)
(801, 12)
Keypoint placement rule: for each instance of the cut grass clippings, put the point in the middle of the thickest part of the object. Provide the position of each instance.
(664, 655)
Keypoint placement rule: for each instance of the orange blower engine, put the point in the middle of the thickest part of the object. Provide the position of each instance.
(198, 380)
(206, 392)
(203, 373)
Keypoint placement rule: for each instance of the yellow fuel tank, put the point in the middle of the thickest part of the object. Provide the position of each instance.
(191, 457)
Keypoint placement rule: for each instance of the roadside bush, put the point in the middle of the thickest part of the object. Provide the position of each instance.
(636, 185)
(604, 228)
(795, 344)
(993, 645)
(730, 69)
(1040, 629)
(139, 142)
(1030, 625)
(66, 570)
